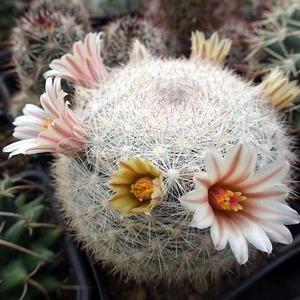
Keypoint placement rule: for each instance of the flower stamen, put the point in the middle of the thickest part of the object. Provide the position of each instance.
(142, 189)
(225, 199)
(46, 123)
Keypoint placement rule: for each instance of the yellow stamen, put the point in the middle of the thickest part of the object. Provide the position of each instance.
(46, 123)
(142, 189)
(229, 200)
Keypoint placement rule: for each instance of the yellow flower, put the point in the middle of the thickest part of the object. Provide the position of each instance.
(138, 185)
(210, 49)
(279, 89)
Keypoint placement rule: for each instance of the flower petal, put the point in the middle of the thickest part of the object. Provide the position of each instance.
(84, 66)
(239, 161)
(194, 199)
(52, 99)
(214, 164)
(35, 111)
(278, 192)
(203, 217)
(218, 233)
(23, 133)
(29, 121)
(237, 241)
(252, 232)
(19, 147)
(264, 178)
(275, 231)
(272, 211)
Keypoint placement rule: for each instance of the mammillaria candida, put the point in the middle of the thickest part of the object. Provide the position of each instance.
(151, 127)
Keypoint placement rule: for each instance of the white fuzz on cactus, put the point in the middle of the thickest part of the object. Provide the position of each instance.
(149, 125)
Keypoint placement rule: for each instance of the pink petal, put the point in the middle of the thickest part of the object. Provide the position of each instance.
(236, 240)
(276, 193)
(240, 161)
(33, 110)
(53, 97)
(23, 133)
(29, 121)
(202, 181)
(194, 199)
(214, 165)
(57, 132)
(264, 178)
(218, 233)
(84, 66)
(271, 211)
(275, 231)
(203, 217)
(252, 232)
(19, 147)
(40, 149)
(51, 73)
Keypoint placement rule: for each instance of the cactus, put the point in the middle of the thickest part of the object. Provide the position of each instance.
(112, 8)
(118, 37)
(25, 244)
(277, 43)
(208, 16)
(131, 155)
(277, 34)
(151, 115)
(47, 31)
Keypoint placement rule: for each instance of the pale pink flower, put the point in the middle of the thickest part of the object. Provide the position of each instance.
(241, 205)
(52, 129)
(84, 66)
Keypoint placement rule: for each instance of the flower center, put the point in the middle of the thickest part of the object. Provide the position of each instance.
(224, 199)
(142, 189)
(46, 123)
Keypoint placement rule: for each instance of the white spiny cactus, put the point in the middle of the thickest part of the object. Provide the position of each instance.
(147, 129)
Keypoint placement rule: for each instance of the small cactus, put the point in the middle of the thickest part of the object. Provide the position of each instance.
(182, 17)
(276, 43)
(47, 31)
(25, 243)
(118, 38)
(277, 34)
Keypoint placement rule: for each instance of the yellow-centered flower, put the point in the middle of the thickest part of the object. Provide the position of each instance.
(138, 185)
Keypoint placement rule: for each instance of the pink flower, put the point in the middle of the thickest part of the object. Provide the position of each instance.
(52, 129)
(241, 205)
(84, 66)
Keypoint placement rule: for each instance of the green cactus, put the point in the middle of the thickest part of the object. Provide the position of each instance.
(47, 31)
(25, 244)
(277, 42)
(278, 36)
